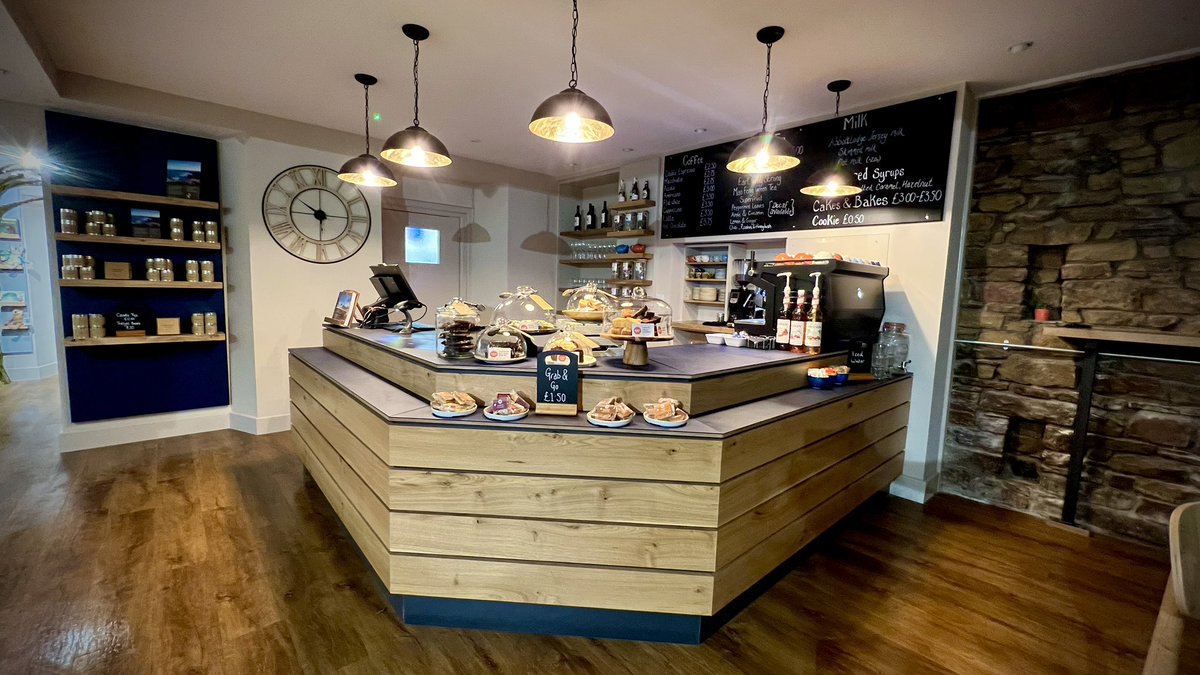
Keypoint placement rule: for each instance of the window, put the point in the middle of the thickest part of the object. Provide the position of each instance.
(422, 246)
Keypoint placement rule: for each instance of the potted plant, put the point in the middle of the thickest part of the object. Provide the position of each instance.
(1041, 312)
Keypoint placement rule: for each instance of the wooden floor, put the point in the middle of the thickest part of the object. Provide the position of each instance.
(209, 553)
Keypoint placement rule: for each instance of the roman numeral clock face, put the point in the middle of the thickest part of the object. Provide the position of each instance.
(315, 216)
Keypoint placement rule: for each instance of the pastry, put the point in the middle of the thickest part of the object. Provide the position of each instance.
(453, 401)
(611, 410)
(508, 403)
(665, 410)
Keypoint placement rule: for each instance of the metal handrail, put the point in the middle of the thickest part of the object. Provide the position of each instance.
(1008, 345)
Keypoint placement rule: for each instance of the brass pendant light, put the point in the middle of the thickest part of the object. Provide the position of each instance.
(415, 146)
(836, 181)
(764, 152)
(571, 116)
(366, 169)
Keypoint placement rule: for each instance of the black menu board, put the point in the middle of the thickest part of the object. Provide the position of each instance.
(899, 155)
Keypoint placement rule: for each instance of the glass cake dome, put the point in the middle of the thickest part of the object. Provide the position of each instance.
(526, 310)
(501, 343)
(588, 303)
(639, 316)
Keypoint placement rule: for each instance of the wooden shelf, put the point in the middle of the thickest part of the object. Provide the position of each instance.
(627, 282)
(587, 234)
(10, 237)
(706, 264)
(14, 328)
(631, 233)
(136, 241)
(142, 340)
(710, 303)
(12, 269)
(631, 205)
(11, 305)
(1125, 335)
(607, 260)
(704, 281)
(137, 283)
(70, 191)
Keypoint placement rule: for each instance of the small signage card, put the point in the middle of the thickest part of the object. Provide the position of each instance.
(118, 270)
(167, 326)
(129, 323)
(557, 383)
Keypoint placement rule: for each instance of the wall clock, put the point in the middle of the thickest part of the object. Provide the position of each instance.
(315, 216)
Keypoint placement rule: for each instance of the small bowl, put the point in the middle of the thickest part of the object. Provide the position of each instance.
(841, 378)
(715, 338)
(731, 341)
(623, 249)
(820, 382)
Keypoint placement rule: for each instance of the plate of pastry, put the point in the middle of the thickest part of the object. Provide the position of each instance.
(452, 404)
(507, 407)
(666, 412)
(611, 412)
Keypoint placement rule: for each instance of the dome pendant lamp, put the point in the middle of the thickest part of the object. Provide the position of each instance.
(836, 182)
(571, 116)
(764, 152)
(366, 169)
(414, 146)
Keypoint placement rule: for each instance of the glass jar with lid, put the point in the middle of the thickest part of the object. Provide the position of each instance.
(457, 322)
(501, 343)
(639, 316)
(526, 310)
(587, 303)
(894, 342)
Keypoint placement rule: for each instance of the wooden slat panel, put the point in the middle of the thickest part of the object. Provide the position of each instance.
(547, 584)
(370, 545)
(369, 507)
(737, 388)
(555, 498)
(759, 446)
(673, 548)
(594, 454)
(754, 487)
(371, 429)
(314, 419)
(740, 574)
(753, 527)
(417, 379)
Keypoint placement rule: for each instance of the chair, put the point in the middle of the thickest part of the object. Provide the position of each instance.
(1182, 595)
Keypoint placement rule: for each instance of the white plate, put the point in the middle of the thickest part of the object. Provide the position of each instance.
(605, 423)
(668, 425)
(504, 418)
(588, 362)
(446, 414)
(499, 362)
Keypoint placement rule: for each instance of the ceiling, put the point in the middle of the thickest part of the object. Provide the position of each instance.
(674, 74)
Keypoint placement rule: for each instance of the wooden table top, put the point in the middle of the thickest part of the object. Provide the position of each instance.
(399, 407)
(700, 328)
(1124, 335)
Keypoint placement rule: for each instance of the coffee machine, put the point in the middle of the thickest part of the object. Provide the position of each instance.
(745, 302)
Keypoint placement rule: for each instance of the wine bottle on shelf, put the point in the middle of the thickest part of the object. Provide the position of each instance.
(578, 219)
(621, 191)
(604, 215)
(783, 324)
(633, 191)
(815, 319)
(645, 189)
(796, 331)
(590, 219)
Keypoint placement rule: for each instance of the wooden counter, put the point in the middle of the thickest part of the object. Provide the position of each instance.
(549, 524)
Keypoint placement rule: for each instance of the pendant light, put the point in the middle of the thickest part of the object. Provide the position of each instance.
(765, 152)
(837, 181)
(414, 146)
(366, 169)
(571, 116)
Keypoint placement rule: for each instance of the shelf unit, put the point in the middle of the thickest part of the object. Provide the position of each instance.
(138, 283)
(607, 261)
(708, 310)
(142, 340)
(120, 168)
(628, 282)
(709, 303)
(633, 205)
(704, 281)
(136, 241)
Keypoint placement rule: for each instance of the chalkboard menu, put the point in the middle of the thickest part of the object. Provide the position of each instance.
(557, 383)
(899, 155)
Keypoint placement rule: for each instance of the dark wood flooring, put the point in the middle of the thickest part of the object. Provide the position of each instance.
(210, 554)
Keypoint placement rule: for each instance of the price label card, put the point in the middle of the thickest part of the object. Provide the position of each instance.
(643, 330)
(500, 353)
(557, 383)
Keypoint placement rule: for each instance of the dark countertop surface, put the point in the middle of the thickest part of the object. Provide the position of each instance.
(399, 407)
(672, 362)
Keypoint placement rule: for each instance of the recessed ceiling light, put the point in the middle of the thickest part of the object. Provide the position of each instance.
(699, 130)
(1019, 47)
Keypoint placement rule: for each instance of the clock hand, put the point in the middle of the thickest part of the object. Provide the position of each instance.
(309, 207)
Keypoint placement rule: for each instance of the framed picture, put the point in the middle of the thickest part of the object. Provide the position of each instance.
(9, 229)
(145, 223)
(346, 309)
(183, 179)
(12, 298)
(11, 257)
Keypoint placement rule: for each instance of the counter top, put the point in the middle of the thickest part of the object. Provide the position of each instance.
(674, 362)
(699, 328)
(398, 407)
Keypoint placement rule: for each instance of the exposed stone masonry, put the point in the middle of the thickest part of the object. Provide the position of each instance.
(1086, 201)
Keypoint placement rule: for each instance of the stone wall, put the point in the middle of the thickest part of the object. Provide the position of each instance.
(1086, 201)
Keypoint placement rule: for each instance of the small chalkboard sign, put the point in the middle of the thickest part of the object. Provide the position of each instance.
(557, 383)
(129, 323)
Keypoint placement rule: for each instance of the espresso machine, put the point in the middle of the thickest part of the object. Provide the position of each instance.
(745, 301)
